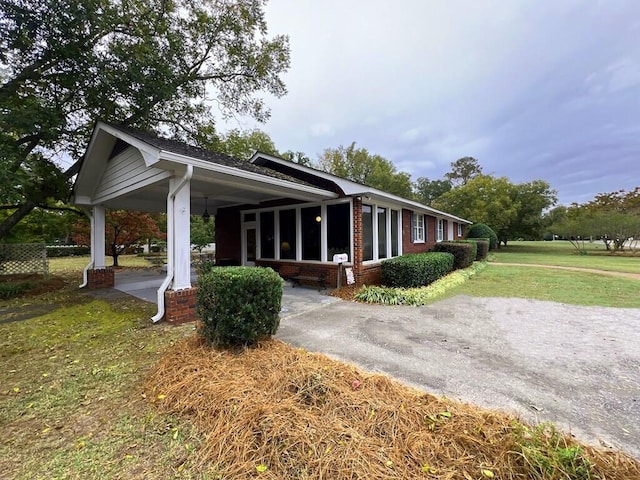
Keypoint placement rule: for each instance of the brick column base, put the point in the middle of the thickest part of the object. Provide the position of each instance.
(101, 278)
(180, 305)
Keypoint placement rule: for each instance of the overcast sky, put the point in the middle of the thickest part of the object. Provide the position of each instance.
(538, 89)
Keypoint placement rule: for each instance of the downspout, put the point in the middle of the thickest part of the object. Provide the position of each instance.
(170, 242)
(85, 275)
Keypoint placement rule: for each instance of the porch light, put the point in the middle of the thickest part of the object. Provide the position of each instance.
(318, 219)
(205, 215)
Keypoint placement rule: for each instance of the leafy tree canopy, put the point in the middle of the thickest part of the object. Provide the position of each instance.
(463, 170)
(511, 210)
(358, 165)
(151, 64)
(427, 191)
(243, 144)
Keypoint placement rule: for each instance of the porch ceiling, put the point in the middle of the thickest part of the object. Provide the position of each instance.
(221, 190)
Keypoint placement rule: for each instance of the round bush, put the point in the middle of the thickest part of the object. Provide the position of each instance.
(480, 230)
(239, 305)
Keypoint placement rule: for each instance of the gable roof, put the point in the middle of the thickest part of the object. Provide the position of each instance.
(347, 187)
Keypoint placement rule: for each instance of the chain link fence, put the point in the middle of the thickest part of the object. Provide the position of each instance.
(23, 258)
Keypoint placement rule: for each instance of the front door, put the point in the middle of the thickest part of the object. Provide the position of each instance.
(249, 242)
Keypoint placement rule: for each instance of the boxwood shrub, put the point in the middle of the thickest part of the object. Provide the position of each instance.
(416, 270)
(480, 230)
(464, 254)
(239, 305)
(482, 246)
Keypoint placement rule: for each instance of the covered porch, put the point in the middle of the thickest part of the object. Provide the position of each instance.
(126, 169)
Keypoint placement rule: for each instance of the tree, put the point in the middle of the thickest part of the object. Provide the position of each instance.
(243, 144)
(511, 210)
(358, 165)
(152, 64)
(613, 217)
(44, 226)
(463, 170)
(297, 157)
(427, 191)
(202, 234)
(123, 229)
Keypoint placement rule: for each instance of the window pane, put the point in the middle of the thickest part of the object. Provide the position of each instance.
(288, 234)
(382, 232)
(394, 233)
(267, 235)
(338, 232)
(311, 221)
(249, 217)
(367, 232)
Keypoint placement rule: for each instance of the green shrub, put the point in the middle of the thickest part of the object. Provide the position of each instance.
(416, 270)
(480, 230)
(482, 245)
(239, 305)
(67, 251)
(10, 289)
(474, 245)
(463, 253)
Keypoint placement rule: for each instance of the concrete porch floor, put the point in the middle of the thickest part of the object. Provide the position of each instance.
(144, 284)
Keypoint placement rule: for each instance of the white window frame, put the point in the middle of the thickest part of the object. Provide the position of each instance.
(418, 231)
(459, 229)
(440, 230)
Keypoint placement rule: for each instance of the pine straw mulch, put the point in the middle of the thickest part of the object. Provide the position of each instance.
(276, 412)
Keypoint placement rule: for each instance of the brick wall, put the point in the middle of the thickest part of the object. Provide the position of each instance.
(407, 245)
(180, 305)
(101, 278)
(357, 239)
(288, 269)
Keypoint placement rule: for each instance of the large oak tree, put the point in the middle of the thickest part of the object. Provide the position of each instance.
(153, 64)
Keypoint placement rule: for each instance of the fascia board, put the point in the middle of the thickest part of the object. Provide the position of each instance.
(150, 154)
(224, 169)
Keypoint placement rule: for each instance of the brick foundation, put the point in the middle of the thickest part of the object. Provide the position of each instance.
(101, 278)
(180, 305)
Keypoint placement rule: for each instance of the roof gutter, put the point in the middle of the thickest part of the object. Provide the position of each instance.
(171, 197)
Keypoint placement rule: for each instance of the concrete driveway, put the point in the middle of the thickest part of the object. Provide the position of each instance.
(576, 366)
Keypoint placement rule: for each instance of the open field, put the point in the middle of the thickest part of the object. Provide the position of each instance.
(562, 286)
(76, 264)
(562, 253)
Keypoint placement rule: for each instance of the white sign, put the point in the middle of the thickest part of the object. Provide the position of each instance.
(350, 279)
(340, 258)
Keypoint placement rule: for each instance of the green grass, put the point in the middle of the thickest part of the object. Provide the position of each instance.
(71, 404)
(76, 264)
(562, 253)
(563, 286)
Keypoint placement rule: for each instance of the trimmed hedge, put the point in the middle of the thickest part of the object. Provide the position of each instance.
(480, 230)
(464, 253)
(417, 269)
(239, 305)
(67, 251)
(482, 245)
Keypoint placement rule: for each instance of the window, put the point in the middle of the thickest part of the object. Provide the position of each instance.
(382, 232)
(440, 235)
(395, 239)
(459, 229)
(338, 229)
(367, 232)
(311, 221)
(288, 234)
(418, 228)
(267, 235)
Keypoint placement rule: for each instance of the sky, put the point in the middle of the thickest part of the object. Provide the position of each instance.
(537, 89)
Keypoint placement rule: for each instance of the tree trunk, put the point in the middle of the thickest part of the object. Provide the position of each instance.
(13, 219)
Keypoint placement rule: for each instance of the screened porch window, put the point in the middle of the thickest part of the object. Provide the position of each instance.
(367, 232)
(311, 221)
(338, 229)
(382, 232)
(288, 234)
(395, 238)
(267, 235)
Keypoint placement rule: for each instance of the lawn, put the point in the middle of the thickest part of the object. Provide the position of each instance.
(76, 264)
(563, 286)
(91, 389)
(562, 253)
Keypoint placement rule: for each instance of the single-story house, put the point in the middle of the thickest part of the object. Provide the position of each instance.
(268, 212)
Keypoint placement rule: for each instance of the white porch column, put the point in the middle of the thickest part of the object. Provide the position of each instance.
(182, 235)
(97, 237)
